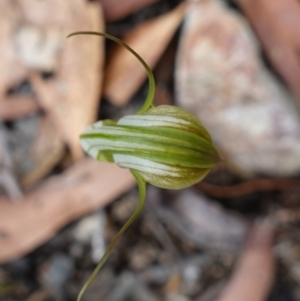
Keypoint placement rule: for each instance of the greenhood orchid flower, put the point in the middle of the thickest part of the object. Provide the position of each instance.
(165, 146)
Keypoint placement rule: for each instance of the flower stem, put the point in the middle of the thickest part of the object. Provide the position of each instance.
(142, 194)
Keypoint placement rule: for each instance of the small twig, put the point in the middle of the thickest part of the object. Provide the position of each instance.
(248, 187)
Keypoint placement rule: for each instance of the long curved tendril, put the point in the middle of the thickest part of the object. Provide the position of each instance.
(150, 96)
(141, 183)
(142, 194)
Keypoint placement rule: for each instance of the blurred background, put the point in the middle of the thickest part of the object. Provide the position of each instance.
(233, 63)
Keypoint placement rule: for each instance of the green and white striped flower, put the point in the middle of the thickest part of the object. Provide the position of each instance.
(166, 145)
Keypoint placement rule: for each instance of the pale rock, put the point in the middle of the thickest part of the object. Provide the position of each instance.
(91, 229)
(221, 78)
(38, 48)
(207, 224)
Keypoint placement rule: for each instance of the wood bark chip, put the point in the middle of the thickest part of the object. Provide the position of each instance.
(124, 73)
(277, 26)
(254, 274)
(84, 187)
(117, 9)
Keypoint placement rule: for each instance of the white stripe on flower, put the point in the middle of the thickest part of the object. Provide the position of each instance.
(113, 131)
(153, 120)
(145, 165)
(95, 145)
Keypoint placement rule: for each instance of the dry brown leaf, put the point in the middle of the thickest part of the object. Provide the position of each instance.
(277, 26)
(71, 97)
(84, 187)
(11, 71)
(124, 73)
(117, 9)
(14, 107)
(47, 150)
(254, 274)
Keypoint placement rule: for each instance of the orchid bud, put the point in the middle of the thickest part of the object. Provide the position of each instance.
(166, 145)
